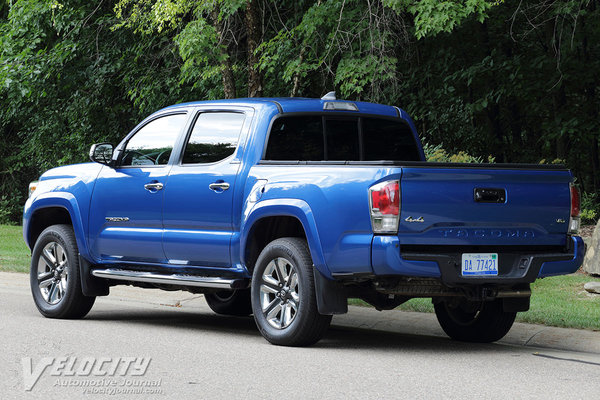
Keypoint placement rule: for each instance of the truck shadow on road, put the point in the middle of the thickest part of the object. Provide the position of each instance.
(338, 337)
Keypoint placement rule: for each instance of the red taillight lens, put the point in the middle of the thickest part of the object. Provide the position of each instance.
(575, 202)
(387, 198)
(385, 206)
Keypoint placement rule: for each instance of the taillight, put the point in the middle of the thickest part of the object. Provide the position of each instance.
(384, 201)
(575, 210)
(575, 202)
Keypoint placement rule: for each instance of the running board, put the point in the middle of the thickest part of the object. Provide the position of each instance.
(179, 280)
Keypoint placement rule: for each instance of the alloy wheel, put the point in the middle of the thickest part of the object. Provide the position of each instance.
(53, 273)
(280, 293)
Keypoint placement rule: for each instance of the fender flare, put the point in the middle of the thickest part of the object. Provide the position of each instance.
(298, 209)
(331, 295)
(63, 200)
(90, 285)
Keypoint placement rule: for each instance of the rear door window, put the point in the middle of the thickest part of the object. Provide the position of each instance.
(214, 137)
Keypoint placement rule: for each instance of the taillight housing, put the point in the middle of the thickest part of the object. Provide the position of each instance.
(384, 204)
(575, 210)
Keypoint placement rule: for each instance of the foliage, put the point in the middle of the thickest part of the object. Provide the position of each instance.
(5, 211)
(590, 208)
(484, 80)
(66, 81)
(435, 16)
(438, 154)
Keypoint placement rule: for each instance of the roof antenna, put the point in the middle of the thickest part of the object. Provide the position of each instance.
(329, 96)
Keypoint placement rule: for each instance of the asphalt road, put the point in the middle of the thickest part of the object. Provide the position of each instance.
(194, 353)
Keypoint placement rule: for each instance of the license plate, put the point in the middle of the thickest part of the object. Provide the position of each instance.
(480, 264)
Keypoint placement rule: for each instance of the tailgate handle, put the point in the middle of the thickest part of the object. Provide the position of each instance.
(489, 195)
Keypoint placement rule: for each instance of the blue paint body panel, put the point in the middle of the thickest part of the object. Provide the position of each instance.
(387, 260)
(555, 268)
(186, 225)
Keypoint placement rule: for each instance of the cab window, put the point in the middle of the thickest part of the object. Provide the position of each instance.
(153, 143)
(214, 137)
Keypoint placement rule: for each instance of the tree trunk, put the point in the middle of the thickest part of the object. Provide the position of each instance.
(296, 87)
(228, 78)
(254, 35)
(559, 101)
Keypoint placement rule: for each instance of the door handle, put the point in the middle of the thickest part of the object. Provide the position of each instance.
(219, 186)
(153, 187)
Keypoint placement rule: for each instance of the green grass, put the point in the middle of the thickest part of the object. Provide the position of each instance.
(561, 301)
(556, 301)
(14, 254)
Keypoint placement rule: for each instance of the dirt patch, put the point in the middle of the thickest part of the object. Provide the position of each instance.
(586, 231)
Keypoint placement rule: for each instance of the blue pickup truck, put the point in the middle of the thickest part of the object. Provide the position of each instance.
(285, 208)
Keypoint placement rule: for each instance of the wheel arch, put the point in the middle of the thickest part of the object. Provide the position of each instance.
(270, 220)
(59, 208)
(63, 209)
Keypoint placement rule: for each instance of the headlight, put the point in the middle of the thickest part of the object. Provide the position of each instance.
(32, 187)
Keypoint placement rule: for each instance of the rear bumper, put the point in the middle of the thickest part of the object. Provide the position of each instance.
(515, 266)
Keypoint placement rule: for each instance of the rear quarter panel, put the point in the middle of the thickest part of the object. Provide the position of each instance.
(338, 199)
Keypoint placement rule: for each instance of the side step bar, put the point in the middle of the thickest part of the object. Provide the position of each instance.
(180, 280)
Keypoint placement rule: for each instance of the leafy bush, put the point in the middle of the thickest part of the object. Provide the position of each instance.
(7, 209)
(436, 153)
(590, 208)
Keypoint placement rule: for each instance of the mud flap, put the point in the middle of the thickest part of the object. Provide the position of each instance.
(90, 285)
(515, 304)
(331, 295)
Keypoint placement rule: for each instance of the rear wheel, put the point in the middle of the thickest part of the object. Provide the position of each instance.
(230, 302)
(480, 322)
(283, 295)
(55, 276)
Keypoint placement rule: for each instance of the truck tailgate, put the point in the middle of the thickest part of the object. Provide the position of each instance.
(484, 206)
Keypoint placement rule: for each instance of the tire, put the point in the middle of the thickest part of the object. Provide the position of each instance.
(482, 322)
(230, 302)
(55, 275)
(283, 295)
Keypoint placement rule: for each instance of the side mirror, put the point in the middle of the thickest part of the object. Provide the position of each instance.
(102, 153)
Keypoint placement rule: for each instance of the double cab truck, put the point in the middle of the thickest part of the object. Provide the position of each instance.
(284, 208)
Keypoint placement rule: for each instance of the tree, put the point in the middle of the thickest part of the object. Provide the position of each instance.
(518, 81)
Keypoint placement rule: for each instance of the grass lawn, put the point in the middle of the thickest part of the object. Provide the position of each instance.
(557, 301)
(14, 254)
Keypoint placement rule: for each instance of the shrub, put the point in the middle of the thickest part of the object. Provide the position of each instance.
(436, 153)
(590, 208)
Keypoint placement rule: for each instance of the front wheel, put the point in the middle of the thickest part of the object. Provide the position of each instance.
(283, 295)
(54, 275)
(478, 322)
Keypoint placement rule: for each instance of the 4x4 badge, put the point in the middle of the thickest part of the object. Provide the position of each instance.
(411, 219)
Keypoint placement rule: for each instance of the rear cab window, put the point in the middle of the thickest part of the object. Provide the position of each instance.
(341, 138)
